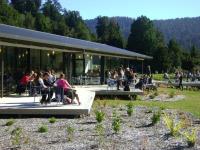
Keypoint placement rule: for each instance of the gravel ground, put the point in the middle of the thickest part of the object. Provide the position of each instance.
(136, 132)
(164, 98)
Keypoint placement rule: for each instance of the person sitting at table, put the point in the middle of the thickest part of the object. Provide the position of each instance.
(46, 90)
(23, 83)
(68, 91)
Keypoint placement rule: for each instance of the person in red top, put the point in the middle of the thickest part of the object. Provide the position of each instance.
(63, 83)
(25, 79)
(23, 83)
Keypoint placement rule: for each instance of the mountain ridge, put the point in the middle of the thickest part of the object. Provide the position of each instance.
(185, 30)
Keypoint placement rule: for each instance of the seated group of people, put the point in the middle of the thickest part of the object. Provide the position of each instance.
(47, 84)
(122, 77)
(144, 81)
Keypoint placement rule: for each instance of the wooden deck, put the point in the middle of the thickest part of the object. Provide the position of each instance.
(25, 105)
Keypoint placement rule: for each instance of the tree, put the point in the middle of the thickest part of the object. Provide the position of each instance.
(60, 27)
(27, 6)
(102, 29)
(10, 16)
(143, 37)
(43, 23)
(175, 53)
(52, 9)
(115, 37)
(108, 32)
(2, 2)
(76, 25)
(193, 52)
(29, 21)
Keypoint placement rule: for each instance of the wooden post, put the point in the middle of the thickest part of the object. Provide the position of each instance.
(84, 63)
(2, 71)
(67, 65)
(102, 73)
(142, 67)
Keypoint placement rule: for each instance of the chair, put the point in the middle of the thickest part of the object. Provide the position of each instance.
(59, 94)
(35, 91)
(111, 84)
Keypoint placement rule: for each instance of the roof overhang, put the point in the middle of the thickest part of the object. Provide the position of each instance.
(25, 38)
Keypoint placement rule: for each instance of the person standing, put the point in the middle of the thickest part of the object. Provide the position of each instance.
(181, 80)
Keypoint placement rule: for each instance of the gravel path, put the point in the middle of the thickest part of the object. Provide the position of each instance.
(136, 133)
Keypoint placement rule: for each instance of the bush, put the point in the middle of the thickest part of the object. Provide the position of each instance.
(70, 132)
(52, 120)
(116, 123)
(100, 129)
(129, 109)
(134, 96)
(10, 122)
(191, 137)
(156, 117)
(156, 93)
(100, 116)
(172, 126)
(171, 94)
(43, 129)
(16, 135)
(152, 96)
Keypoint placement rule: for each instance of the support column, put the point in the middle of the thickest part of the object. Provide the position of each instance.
(102, 74)
(142, 67)
(28, 59)
(40, 60)
(84, 64)
(2, 71)
(67, 63)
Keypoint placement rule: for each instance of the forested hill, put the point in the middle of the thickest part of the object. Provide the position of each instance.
(185, 30)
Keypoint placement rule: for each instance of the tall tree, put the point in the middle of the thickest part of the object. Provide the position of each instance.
(102, 29)
(43, 23)
(10, 16)
(175, 53)
(108, 32)
(27, 6)
(115, 36)
(194, 52)
(76, 25)
(52, 9)
(29, 21)
(143, 36)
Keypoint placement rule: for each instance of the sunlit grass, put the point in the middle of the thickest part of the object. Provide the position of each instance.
(191, 103)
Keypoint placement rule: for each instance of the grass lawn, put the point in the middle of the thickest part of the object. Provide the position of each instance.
(191, 103)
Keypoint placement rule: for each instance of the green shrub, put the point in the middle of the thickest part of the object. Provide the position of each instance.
(116, 123)
(10, 122)
(156, 117)
(70, 133)
(173, 127)
(162, 107)
(99, 129)
(134, 96)
(16, 135)
(152, 96)
(156, 93)
(171, 94)
(52, 120)
(100, 116)
(43, 129)
(191, 137)
(129, 108)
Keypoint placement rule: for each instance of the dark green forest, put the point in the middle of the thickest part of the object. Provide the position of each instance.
(143, 34)
(186, 31)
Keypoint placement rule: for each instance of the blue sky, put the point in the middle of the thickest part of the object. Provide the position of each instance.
(154, 9)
